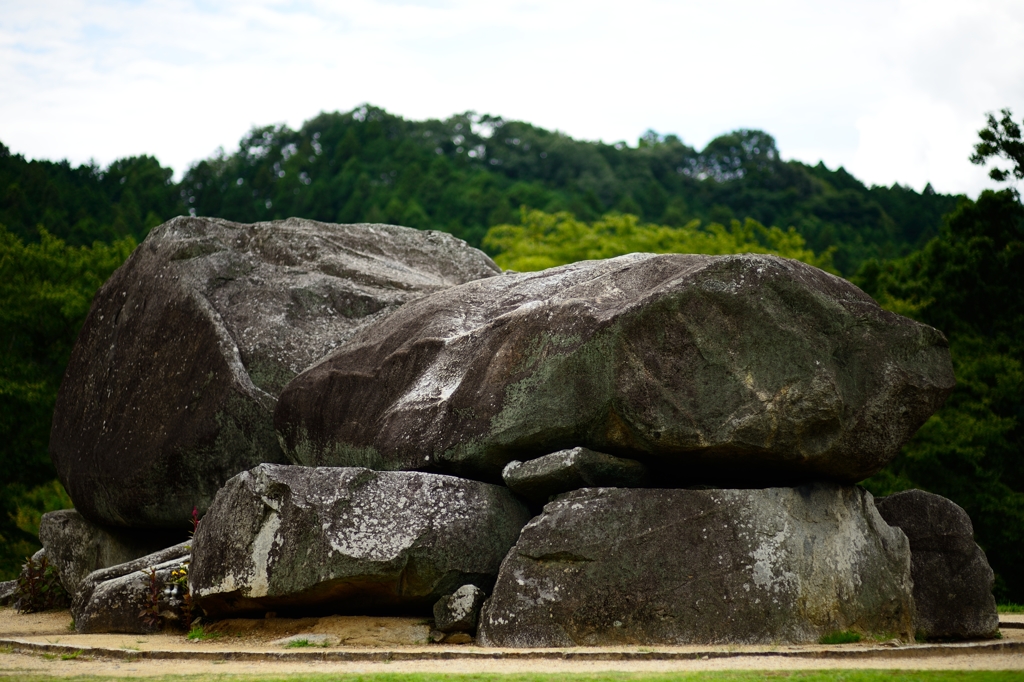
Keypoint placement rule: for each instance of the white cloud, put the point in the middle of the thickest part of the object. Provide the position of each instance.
(892, 89)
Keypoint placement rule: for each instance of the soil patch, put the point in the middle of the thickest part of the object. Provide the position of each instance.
(44, 644)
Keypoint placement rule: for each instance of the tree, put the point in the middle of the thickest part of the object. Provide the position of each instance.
(544, 240)
(969, 283)
(1001, 138)
(46, 288)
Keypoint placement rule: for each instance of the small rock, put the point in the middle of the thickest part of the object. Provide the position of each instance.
(952, 578)
(537, 480)
(113, 599)
(7, 590)
(126, 604)
(458, 612)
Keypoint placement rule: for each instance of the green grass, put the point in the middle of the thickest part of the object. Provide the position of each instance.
(745, 676)
(300, 643)
(840, 637)
(1011, 608)
(198, 633)
(72, 656)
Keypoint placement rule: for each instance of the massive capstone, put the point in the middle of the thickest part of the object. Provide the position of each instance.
(292, 539)
(171, 386)
(743, 369)
(615, 566)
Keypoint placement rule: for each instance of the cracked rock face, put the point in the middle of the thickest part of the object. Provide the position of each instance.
(731, 370)
(615, 566)
(171, 386)
(952, 579)
(348, 540)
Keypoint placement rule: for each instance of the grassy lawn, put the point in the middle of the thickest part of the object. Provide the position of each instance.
(746, 676)
(1011, 608)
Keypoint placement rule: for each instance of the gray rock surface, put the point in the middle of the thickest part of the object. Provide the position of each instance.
(348, 540)
(952, 579)
(112, 599)
(76, 547)
(7, 590)
(745, 369)
(614, 566)
(119, 604)
(171, 386)
(460, 610)
(539, 479)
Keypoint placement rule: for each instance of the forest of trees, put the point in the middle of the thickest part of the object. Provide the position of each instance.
(535, 198)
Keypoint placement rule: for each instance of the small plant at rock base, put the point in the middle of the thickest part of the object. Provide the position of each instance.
(840, 637)
(150, 615)
(39, 588)
(298, 644)
(179, 578)
(71, 656)
(199, 633)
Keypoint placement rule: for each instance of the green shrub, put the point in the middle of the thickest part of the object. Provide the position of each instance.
(840, 637)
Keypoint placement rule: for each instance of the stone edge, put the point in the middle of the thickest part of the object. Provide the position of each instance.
(389, 655)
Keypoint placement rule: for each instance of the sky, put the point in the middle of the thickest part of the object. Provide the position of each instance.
(892, 90)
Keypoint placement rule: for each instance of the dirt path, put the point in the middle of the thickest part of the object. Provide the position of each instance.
(43, 644)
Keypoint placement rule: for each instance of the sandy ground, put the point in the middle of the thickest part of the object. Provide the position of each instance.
(44, 644)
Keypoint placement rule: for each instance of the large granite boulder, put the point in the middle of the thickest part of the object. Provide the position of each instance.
(611, 566)
(952, 579)
(728, 369)
(171, 386)
(138, 596)
(76, 547)
(348, 540)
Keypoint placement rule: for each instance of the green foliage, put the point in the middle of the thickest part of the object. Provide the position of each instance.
(30, 506)
(470, 172)
(39, 588)
(969, 283)
(84, 204)
(840, 637)
(199, 633)
(46, 288)
(543, 240)
(1011, 608)
(1001, 138)
(298, 644)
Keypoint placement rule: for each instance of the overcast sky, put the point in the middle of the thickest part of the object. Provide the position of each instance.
(894, 90)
